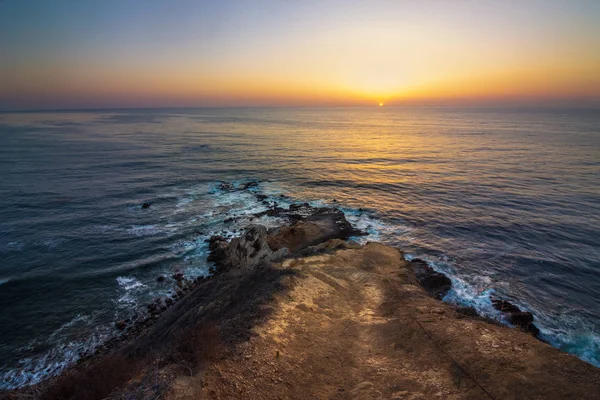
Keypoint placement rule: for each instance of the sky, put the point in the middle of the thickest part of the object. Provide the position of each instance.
(66, 54)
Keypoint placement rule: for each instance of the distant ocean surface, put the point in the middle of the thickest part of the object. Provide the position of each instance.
(505, 202)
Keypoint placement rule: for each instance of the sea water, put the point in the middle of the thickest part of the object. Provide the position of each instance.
(504, 201)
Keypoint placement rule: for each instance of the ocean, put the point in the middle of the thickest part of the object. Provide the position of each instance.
(506, 202)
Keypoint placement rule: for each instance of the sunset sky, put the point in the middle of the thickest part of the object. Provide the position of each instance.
(149, 53)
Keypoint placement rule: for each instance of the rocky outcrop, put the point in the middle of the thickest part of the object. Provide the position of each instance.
(435, 283)
(517, 317)
(246, 251)
(258, 245)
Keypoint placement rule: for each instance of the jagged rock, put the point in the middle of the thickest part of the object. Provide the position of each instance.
(226, 186)
(435, 283)
(246, 251)
(257, 245)
(217, 246)
(321, 226)
(517, 317)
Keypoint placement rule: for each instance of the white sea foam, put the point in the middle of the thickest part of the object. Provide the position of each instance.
(143, 230)
(129, 283)
(64, 352)
(132, 289)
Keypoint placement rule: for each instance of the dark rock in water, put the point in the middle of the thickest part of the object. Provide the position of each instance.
(435, 283)
(178, 276)
(226, 186)
(146, 205)
(261, 197)
(249, 185)
(161, 278)
(523, 318)
(120, 325)
(230, 219)
(505, 306)
(275, 211)
(215, 240)
(517, 317)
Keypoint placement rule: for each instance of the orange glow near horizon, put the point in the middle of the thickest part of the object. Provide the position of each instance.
(321, 55)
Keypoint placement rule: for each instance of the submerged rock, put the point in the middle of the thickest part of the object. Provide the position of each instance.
(435, 283)
(146, 205)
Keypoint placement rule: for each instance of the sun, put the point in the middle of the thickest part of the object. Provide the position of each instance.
(380, 104)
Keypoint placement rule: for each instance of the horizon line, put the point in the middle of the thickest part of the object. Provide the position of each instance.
(374, 106)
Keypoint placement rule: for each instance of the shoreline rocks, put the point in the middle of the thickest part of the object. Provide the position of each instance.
(435, 283)
(258, 245)
(517, 317)
(438, 285)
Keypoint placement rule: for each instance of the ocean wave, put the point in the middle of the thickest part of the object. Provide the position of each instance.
(12, 246)
(131, 287)
(62, 354)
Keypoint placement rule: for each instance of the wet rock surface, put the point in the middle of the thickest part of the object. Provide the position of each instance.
(517, 317)
(435, 283)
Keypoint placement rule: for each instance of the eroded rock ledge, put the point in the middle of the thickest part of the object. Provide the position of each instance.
(259, 245)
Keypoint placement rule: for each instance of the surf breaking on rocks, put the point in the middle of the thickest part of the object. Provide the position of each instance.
(230, 210)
